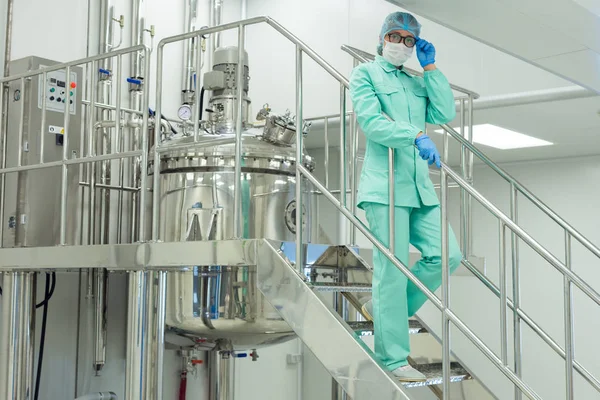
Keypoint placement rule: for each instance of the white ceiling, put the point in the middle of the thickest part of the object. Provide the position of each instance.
(561, 36)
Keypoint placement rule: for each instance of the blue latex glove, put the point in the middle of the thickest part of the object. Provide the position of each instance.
(428, 151)
(425, 52)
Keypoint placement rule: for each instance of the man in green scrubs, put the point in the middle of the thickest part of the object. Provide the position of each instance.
(382, 86)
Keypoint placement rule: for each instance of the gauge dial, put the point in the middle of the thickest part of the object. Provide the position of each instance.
(184, 112)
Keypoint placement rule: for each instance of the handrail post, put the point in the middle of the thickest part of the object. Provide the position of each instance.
(326, 162)
(354, 169)
(463, 193)
(568, 321)
(470, 180)
(503, 295)
(237, 186)
(392, 201)
(342, 221)
(516, 281)
(299, 143)
(445, 274)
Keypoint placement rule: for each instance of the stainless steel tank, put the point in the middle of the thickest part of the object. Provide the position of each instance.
(213, 303)
(221, 305)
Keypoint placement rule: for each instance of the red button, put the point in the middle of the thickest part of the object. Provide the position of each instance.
(73, 85)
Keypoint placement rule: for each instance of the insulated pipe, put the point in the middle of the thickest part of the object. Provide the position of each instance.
(138, 24)
(244, 13)
(221, 379)
(217, 19)
(531, 97)
(106, 31)
(189, 54)
(17, 319)
(135, 377)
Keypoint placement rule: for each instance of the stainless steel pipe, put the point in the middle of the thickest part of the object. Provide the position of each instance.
(222, 375)
(17, 335)
(189, 54)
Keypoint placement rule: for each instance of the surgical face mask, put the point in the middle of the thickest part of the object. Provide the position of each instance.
(397, 53)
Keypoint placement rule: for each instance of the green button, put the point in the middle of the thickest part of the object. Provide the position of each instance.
(52, 90)
(71, 93)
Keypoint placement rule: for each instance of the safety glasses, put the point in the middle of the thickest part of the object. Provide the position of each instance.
(409, 41)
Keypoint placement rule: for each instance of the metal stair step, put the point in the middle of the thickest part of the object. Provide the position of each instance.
(433, 372)
(365, 328)
(337, 287)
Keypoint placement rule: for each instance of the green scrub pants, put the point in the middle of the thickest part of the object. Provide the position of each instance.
(395, 298)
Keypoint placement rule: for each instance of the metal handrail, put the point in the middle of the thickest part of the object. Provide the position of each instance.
(449, 316)
(565, 269)
(527, 193)
(365, 57)
(428, 293)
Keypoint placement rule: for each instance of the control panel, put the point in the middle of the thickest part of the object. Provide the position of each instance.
(59, 91)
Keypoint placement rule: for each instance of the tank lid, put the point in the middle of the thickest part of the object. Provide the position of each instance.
(219, 147)
(228, 55)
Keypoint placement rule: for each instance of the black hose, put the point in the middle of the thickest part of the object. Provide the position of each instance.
(47, 296)
(201, 103)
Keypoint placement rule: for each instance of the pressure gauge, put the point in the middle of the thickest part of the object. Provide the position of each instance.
(185, 112)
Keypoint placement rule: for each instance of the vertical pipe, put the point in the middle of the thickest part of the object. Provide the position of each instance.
(17, 335)
(516, 278)
(197, 104)
(43, 123)
(237, 190)
(156, 172)
(221, 375)
(8, 38)
(3, 137)
(568, 320)
(137, 36)
(21, 122)
(342, 220)
(217, 18)
(160, 331)
(136, 329)
(145, 149)
(4, 103)
(149, 355)
(119, 146)
(100, 302)
(244, 13)
(326, 127)
(445, 274)
(335, 388)
(190, 53)
(65, 157)
(299, 159)
(503, 296)
(92, 152)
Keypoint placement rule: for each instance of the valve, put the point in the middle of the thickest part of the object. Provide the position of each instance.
(254, 355)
